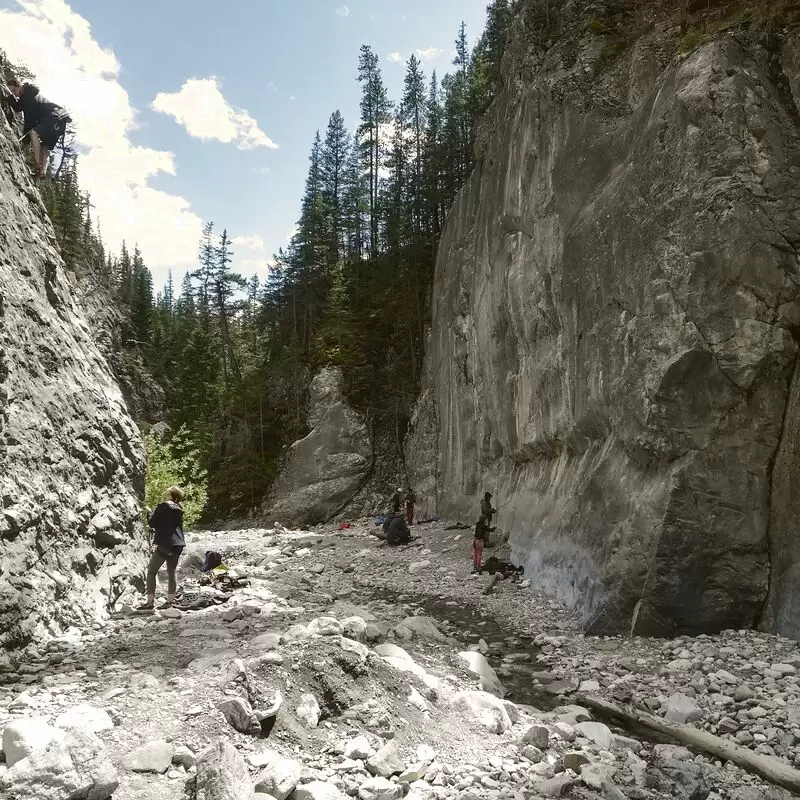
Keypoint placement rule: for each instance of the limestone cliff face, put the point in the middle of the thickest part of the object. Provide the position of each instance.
(71, 462)
(324, 470)
(615, 315)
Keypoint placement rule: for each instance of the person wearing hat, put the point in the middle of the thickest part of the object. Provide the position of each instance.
(397, 501)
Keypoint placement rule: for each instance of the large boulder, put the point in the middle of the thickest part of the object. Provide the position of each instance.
(483, 709)
(325, 469)
(71, 458)
(21, 737)
(614, 328)
(76, 767)
(222, 774)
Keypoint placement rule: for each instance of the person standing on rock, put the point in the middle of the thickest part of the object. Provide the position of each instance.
(482, 531)
(45, 121)
(411, 499)
(166, 521)
(487, 512)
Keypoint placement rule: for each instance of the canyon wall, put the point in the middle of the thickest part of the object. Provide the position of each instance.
(615, 320)
(71, 461)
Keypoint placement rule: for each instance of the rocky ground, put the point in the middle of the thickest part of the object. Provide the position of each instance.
(341, 667)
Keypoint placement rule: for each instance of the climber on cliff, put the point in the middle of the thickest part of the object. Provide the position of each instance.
(45, 122)
(487, 512)
(166, 521)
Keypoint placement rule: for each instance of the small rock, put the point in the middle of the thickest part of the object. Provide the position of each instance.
(184, 756)
(379, 789)
(308, 711)
(532, 753)
(21, 737)
(682, 709)
(86, 717)
(325, 626)
(743, 693)
(386, 761)
(318, 790)
(266, 642)
(554, 787)
(418, 566)
(575, 761)
(240, 716)
(538, 736)
(596, 732)
(279, 777)
(358, 748)
(154, 756)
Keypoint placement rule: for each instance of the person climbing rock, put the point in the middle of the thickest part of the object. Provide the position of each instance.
(482, 531)
(397, 501)
(411, 500)
(166, 521)
(45, 121)
(487, 512)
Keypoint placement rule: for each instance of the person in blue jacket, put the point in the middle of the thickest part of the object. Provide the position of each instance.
(45, 121)
(166, 522)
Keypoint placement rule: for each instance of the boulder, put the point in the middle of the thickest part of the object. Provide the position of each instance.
(279, 777)
(323, 470)
(389, 650)
(21, 737)
(75, 768)
(240, 715)
(537, 735)
(596, 732)
(420, 627)
(355, 628)
(155, 756)
(358, 748)
(325, 626)
(222, 774)
(379, 789)
(386, 761)
(86, 717)
(479, 666)
(308, 711)
(266, 642)
(318, 790)
(483, 709)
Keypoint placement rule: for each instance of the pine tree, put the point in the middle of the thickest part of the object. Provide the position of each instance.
(375, 113)
(225, 285)
(414, 115)
(333, 162)
(433, 163)
(141, 311)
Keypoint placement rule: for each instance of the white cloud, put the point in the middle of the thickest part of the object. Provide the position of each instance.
(428, 54)
(255, 242)
(201, 108)
(425, 55)
(71, 68)
(343, 11)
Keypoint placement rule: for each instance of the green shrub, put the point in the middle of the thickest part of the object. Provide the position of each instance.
(176, 463)
(691, 40)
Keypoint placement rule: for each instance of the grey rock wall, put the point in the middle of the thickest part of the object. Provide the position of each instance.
(71, 461)
(323, 471)
(615, 314)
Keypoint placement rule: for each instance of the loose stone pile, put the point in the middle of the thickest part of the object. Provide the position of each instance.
(309, 684)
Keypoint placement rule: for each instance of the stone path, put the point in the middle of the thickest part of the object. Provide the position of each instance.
(347, 668)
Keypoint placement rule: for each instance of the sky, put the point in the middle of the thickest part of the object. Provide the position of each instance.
(190, 111)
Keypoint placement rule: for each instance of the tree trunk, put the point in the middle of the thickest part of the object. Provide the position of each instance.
(769, 768)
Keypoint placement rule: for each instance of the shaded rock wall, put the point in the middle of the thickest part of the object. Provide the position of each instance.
(71, 462)
(324, 470)
(614, 320)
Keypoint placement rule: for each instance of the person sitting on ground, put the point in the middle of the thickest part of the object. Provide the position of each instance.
(45, 121)
(411, 499)
(487, 512)
(398, 532)
(482, 531)
(397, 501)
(167, 523)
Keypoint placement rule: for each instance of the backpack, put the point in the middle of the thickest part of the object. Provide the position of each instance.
(211, 561)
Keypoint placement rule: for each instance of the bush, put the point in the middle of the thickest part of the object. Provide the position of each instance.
(176, 463)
